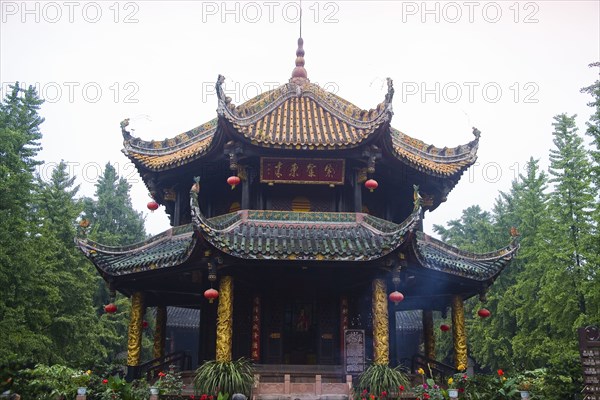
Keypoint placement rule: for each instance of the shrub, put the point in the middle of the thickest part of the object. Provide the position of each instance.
(214, 377)
(381, 381)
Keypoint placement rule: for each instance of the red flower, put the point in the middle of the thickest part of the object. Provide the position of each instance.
(364, 391)
(104, 381)
(426, 396)
(161, 374)
(192, 397)
(500, 372)
(383, 394)
(461, 390)
(203, 397)
(401, 387)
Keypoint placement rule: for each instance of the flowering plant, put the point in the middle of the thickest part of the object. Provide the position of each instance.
(81, 378)
(428, 390)
(493, 387)
(170, 382)
(458, 381)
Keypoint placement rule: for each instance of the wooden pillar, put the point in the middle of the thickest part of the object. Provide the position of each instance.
(381, 354)
(207, 337)
(357, 191)
(459, 333)
(160, 332)
(246, 182)
(393, 335)
(428, 334)
(134, 340)
(225, 320)
(177, 209)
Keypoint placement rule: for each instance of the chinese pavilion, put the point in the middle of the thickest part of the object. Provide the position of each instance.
(304, 220)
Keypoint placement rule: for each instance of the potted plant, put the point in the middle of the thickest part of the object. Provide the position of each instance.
(81, 380)
(428, 390)
(524, 387)
(456, 384)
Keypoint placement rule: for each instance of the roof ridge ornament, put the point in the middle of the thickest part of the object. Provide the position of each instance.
(224, 101)
(299, 74)
(126, 134)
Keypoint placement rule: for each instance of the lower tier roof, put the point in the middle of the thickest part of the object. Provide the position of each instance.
(437, 255)
(296, 237)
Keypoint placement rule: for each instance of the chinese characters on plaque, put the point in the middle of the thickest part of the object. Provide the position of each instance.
(302, 170)
(354, 349)
(589, 351)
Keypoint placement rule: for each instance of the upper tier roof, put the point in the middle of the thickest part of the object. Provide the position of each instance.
(303, 117)
(433, 160)
(315, 120)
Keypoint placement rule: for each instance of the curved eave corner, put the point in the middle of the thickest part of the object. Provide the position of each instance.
(303, 117)
(297, 236)
(482, 267)
(440, 162)
(168, 249)
(169, 153)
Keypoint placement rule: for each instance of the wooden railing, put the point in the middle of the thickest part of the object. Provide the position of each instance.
(434, 369)
(151, 368)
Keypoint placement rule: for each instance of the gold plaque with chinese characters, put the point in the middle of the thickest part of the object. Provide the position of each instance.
(302, 170)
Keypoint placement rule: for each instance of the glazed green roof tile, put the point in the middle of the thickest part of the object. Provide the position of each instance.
(288, 235)
(170, 248)
(437, 255)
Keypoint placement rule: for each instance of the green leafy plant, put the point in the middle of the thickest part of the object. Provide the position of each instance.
(117, 388)
(50, 382)
(170, 382)
(458, 380)
(428, 390)
(380, 381)
(225, 377)
(492, 387)
(81, 378)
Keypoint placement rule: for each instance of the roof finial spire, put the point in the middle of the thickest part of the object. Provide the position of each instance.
(299, 75)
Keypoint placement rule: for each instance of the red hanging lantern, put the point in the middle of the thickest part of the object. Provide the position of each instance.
(152, 205)
(371, 184)
(211, 294)
(396, 297)
(233, 180)
(484, 313)
(444, 328)
(110, 308)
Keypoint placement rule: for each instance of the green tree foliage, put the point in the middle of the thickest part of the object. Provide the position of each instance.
(114, 221)
(593, 131)
(47, 310)
(20, 327)
(551, 288)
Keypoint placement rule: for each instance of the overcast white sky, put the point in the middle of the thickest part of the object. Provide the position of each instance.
(506, 67)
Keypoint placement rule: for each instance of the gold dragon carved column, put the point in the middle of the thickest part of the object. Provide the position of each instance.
(381, 346)
(459, 333)
(160, 332)
(428, 335)
(134, 341)
(225, 319)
